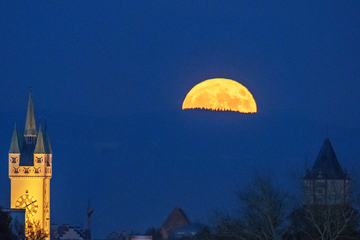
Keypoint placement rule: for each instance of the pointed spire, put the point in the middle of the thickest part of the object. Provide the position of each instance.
(30, 127)
(40, 148)
(14, 146)
(47, 140)
(327, 163)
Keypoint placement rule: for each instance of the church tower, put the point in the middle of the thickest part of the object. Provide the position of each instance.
(30, 170)
(326, 183)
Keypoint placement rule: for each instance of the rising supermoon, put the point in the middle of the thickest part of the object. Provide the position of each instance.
(220, 94)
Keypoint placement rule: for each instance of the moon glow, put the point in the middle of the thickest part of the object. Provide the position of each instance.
(220, 94)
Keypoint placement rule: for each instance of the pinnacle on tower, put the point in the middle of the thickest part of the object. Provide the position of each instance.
(30, 127)
(14, 146)
(39, 148)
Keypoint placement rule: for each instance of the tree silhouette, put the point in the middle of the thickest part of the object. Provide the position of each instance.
(325, 222)
(5, 226)
(155, 233)
(33, 231)
(263, 208)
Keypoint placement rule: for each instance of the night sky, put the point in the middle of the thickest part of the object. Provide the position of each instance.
(109, 78)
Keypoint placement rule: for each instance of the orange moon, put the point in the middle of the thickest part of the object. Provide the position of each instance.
(220, 94)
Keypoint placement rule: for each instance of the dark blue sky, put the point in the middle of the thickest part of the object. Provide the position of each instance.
(110, 77)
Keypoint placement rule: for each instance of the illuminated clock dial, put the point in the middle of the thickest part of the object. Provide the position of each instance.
(29, 203)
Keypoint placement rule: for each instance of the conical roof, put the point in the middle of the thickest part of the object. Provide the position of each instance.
(14, 146)
(326, 164)
(30, 127)
(40, 148)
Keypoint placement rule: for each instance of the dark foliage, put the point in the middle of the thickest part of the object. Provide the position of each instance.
(263, 208)
(330, 222)
(34, 231)
(155, 233)
(5, 226)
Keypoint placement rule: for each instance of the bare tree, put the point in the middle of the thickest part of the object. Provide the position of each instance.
(228, 228)
(325, 222)
(33, 231)
(263, 212)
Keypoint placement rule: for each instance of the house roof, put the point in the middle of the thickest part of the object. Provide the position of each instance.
(177, 218)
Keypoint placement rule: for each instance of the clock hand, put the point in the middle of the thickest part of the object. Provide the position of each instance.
(29, 204)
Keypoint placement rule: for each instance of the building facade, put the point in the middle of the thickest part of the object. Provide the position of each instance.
(30, 170)
(326, 183)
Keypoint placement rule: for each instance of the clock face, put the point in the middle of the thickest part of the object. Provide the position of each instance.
(29, 203)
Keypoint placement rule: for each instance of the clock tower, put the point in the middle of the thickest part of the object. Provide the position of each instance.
(30, 170)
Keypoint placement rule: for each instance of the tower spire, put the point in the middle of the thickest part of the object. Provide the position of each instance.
(14, 146)
(327, 163)
(30, 127)
(40, 148)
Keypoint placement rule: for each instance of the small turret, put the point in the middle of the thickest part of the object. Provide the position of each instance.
(14, 146)
(14, 153)
(39, 148)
